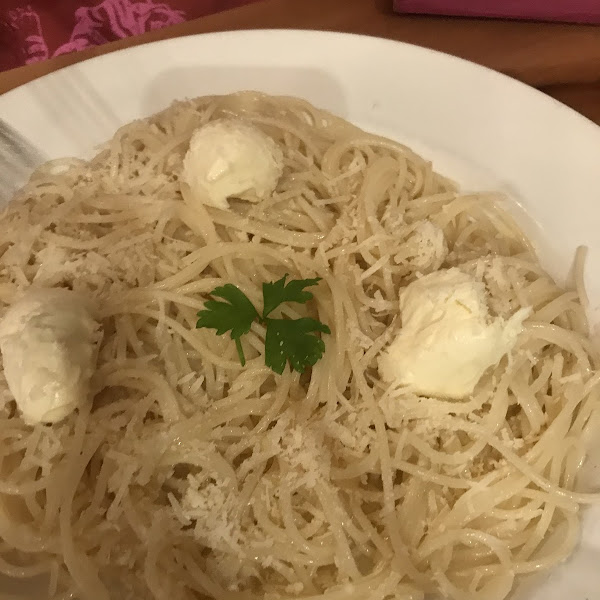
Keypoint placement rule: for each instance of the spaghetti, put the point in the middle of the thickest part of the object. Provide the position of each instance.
(189, 476)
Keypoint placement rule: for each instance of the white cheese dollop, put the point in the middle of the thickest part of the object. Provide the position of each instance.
(49, 342)
(448, 339)
(229, 157)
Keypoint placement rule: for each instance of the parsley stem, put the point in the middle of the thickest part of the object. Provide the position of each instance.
(240, 351)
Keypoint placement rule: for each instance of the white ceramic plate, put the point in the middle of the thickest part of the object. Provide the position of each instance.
(481, 128)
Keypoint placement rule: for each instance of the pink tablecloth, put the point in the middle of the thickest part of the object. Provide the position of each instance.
(36, 30)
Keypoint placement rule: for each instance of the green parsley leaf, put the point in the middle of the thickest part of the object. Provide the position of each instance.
(292, 340)
(235, 315)
(286, 340)
(278, 292)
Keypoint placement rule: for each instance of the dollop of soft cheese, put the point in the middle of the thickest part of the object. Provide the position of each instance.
(448, 339)
(229, 157)
(49, 342)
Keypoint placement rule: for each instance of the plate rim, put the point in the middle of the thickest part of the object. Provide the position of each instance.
(322, 33)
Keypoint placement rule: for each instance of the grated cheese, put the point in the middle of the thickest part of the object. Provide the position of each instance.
(306, 457)
(210, 504)
(425, 249)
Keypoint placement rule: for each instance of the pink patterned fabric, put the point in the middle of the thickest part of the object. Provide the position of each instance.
(40, 29)
(117, 18)
(28, 22)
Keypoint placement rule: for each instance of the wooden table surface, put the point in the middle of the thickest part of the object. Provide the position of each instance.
(562, 60)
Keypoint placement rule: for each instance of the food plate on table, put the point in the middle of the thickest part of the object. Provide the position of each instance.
(512, 170)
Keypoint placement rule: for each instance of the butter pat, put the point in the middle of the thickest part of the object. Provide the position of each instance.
(231, 158)
(49, 343)
(448, 339)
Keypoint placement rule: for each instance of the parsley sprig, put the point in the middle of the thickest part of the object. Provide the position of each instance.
(286, 340)
(235, 315)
